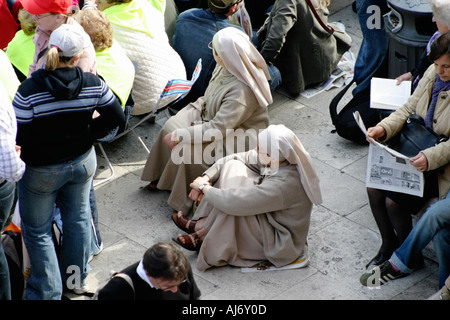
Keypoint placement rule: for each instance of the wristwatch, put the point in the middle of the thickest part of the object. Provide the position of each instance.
(202, 186)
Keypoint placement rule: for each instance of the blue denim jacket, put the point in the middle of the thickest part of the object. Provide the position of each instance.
(195, 29)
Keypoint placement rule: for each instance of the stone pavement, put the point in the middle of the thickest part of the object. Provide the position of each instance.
(343, 235)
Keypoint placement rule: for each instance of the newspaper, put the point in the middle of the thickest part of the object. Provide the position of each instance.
(386, 94)
(362, 126)
(390, 170)
(299, 263)
(342, 75)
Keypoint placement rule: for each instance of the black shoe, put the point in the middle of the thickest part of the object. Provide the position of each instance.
(379, 275)
(378, 259)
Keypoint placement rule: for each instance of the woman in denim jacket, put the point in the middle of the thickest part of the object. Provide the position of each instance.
(194, 30)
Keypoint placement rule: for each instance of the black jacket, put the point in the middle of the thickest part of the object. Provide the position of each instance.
(118, 289)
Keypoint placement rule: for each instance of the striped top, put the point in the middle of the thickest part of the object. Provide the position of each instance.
(54, 111)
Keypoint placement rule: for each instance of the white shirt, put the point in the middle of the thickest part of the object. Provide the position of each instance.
(141, 272)
(11, 166)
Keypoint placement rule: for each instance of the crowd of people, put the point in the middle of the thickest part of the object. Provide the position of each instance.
(74, 72)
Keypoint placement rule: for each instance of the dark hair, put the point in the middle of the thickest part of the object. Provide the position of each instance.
(217, 6)
(440, 46)
(165, 260)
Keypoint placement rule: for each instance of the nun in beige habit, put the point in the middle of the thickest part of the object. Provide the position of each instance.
(255, 206)
(236, 98)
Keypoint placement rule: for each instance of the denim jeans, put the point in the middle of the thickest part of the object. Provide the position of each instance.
(7, 205)
(275, 77)
(433, 225)
(374, 45)
(39, 187)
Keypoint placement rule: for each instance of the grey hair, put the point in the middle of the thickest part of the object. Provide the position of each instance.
(441, 11)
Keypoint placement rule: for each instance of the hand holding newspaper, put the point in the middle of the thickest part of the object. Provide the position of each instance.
(361, 125)
(388, 169)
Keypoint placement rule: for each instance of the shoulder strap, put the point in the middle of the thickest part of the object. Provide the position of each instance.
(125, 277)
(326, 27)
(334, 103)
(41, 54)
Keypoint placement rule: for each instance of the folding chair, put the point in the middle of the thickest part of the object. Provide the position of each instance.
(174, 91)
(108, 138)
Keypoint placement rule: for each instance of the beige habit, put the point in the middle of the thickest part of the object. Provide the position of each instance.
(236, 98)
(254, 213)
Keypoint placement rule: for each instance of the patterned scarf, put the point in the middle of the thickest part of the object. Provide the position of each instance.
(438, 86)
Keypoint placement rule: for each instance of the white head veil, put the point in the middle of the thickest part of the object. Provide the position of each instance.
(280, 143)
(242, 59)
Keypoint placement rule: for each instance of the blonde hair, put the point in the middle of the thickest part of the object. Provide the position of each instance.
(53, 59)
(27, 22)
(97, 26)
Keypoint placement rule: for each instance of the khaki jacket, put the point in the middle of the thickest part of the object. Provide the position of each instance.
(439, 156)
(279, 201)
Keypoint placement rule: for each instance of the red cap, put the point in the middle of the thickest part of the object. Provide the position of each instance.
(46, 6)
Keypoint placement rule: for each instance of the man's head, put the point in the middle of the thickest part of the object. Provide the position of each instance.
(166, 266)
(224, 6)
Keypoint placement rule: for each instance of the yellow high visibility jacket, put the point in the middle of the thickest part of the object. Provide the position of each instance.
(117, 70)
(20, 51)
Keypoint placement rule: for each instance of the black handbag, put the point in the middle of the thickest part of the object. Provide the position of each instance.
(414, 137)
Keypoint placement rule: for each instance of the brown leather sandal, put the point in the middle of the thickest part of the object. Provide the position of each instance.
(152, 186)
(192, 241)
(183, 221)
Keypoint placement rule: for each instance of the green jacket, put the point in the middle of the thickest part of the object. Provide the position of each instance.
(298, 46)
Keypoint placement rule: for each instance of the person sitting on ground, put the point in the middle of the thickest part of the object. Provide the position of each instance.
(392, 210)
(293, 41)
(194, 30)
(139, 29)
(164, 273)
(57, 147)
(234, 106)
(259, 207)
(434, 226)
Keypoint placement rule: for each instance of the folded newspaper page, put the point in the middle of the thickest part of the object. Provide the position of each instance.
(386, 94)
(299, 263)
(362, 126)
(390, 170)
